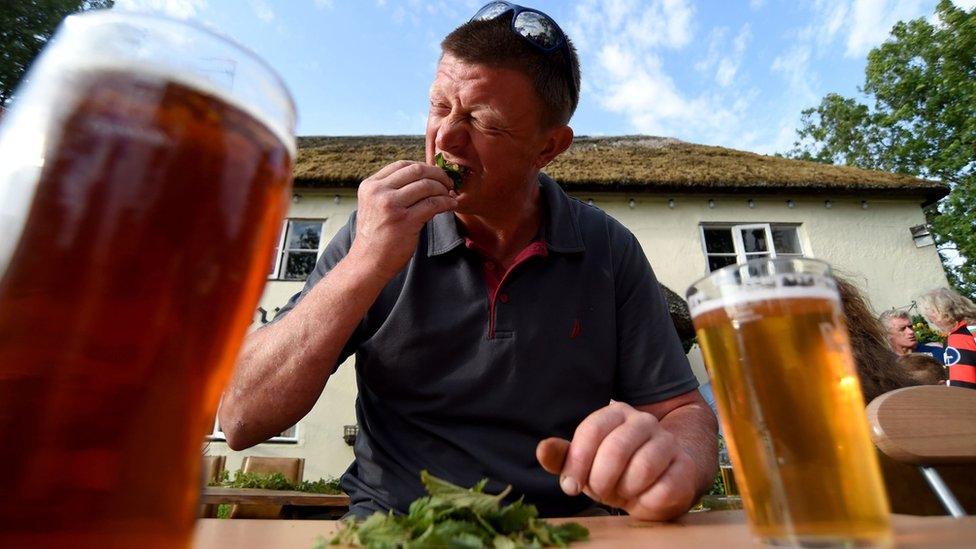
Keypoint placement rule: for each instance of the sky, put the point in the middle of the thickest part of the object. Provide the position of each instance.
(734, 73)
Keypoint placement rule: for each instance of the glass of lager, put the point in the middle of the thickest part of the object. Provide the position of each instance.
(145, 168)
(776, 345)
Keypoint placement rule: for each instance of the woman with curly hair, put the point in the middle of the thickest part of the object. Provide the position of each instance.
(950, 312)
(879, 372)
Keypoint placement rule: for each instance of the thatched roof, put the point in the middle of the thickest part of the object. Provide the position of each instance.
(626, 164)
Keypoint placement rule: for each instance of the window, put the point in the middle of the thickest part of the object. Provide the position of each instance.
(288, 435)
(730, 244)
(298, 249)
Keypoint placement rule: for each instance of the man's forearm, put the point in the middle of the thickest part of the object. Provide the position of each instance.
(283, 368)
(696, 428)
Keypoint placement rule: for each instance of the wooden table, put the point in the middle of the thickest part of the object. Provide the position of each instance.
(214, 495)
(721, 528)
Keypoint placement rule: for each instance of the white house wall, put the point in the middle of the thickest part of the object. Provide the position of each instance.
(873, 246)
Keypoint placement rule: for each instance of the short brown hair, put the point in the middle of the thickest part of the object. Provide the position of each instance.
(493, 43)
(923, 368)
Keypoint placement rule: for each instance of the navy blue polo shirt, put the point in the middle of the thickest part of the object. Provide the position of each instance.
(446, 387)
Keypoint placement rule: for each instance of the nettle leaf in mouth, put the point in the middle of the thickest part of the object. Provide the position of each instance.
(454, 171)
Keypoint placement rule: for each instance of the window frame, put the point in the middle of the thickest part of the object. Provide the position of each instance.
(281, 253)
(740, 254)
(216, 434)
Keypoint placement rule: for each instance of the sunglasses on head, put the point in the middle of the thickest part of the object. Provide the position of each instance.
(534, 27)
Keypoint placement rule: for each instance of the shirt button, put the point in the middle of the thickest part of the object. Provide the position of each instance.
(503, 298)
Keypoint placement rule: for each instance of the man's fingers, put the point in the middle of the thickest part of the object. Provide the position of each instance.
(670, 495)
(586, 441)
(423, 211)
(551, 454)
(418, 190)
(415, 171)
(616, 451)
(390, 168)
(646, 465)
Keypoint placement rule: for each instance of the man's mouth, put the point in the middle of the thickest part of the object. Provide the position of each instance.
(455, 171)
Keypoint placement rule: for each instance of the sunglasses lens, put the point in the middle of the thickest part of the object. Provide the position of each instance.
(538, 28)
(491, 11)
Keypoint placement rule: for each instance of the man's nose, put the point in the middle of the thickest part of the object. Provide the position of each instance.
(452, 135)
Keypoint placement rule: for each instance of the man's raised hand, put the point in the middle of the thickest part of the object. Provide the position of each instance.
(394, 205)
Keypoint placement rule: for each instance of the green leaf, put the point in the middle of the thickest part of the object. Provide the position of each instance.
(454, 171)
(462, 518)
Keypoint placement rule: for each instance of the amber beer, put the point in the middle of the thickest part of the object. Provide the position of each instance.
(777, 349)
(124, 301)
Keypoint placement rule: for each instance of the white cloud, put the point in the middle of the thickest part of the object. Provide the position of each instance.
(757, 4)
(659, 23)
(871, 21)
(965, 4)
(795, 67)
(324, 4)
(180, 9)
(728, 66)
(262, 10)
(623, 43)
(724, 56)
(860, 24)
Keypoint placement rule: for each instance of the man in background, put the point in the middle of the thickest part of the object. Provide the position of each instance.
(901, 336)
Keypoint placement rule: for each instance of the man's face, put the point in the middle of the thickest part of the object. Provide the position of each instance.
(901, 333)
(487, 120)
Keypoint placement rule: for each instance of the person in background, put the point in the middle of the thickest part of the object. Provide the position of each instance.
(879, 372)
(923, 369)
(876, 365)
(950, 313)
(901, 336)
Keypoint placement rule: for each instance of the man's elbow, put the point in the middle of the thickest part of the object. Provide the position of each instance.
(235, 430)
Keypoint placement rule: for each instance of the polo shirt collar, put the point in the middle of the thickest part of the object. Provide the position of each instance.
(561, 231)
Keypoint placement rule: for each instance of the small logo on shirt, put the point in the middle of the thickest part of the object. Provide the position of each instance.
(952, 356)
(577, 328)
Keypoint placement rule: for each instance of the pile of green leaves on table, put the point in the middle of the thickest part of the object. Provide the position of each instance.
(275, 481)
(452, 516)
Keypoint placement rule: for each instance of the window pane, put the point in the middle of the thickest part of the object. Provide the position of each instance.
(719, 261)
(754, 240)
(304, 235)
(719, 241)
(785, 240)
(298, 265)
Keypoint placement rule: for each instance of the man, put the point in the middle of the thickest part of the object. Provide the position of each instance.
(489, 317)
(901, 336)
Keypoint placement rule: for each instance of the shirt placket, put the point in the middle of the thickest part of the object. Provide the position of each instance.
(495, 280)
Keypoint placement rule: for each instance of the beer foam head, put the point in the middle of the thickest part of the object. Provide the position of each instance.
(179, 52)
(732, 291)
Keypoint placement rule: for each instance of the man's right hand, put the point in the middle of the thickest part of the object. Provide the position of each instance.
(394, 205)
(283, 367)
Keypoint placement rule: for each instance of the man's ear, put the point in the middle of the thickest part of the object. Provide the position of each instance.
(559, 140)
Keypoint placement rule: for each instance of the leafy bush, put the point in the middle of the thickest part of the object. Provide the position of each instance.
(275, 481)
(924, 333)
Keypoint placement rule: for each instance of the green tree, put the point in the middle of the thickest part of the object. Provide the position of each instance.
(922, 82)
(25, 27)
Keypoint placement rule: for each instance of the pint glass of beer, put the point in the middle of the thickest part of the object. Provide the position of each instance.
(776, 345)
(145, 168)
